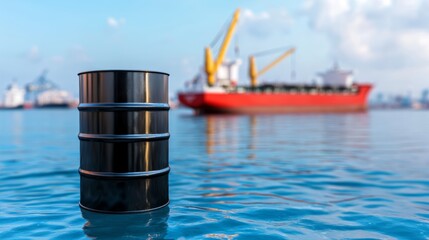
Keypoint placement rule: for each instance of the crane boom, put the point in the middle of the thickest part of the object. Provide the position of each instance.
(253, 72)
(211, 66)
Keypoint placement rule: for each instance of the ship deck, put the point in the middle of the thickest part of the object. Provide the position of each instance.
(294, 88)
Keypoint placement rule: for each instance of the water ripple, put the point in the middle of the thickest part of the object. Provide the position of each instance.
(303, 176)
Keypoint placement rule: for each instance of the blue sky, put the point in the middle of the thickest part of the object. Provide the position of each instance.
(384, 41)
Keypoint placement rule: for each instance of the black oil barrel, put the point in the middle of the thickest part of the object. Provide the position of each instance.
(123, 140)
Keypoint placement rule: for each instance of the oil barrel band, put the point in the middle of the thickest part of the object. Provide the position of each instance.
(111, 107)
(123, 212)
(124, 175)
(123, 137)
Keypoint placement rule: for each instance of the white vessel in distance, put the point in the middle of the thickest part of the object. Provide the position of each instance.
(13, 97)
(46, 94)
(54, 98)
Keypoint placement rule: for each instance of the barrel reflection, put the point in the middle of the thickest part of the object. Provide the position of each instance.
(150, 225)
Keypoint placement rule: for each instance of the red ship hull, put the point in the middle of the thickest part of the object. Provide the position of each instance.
(283, 102)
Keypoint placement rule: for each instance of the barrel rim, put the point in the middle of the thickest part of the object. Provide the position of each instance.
(125, 211)
(122, 70)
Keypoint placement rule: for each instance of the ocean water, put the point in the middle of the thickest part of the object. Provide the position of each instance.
(302, 176)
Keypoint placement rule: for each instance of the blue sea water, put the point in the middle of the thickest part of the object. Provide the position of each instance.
(302, 176)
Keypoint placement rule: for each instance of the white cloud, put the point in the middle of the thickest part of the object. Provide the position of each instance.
(382, 36)
(264, 23)
(374, 31)
(79, 54)
(34, 54)
(251, 16)
(115, 23)
(112, 22)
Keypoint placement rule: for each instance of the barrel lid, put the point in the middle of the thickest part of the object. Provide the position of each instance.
(116, 70)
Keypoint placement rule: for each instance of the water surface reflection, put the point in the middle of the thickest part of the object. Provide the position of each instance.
(232, 177)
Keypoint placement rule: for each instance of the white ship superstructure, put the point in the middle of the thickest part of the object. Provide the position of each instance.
(337, 77)
(14, 97)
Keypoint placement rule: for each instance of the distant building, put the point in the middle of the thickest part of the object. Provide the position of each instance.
(425, 97)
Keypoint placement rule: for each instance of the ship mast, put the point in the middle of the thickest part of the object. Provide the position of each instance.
(212, 65)
(253, 71)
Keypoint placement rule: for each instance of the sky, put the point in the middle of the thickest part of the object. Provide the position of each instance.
(385, 42)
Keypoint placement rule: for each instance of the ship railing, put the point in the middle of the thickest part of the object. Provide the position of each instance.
(293, 89)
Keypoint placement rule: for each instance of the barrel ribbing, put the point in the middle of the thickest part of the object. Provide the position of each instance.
(123, 140)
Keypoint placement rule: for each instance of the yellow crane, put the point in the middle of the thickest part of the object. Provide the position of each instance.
(211, 65)
(253, 71)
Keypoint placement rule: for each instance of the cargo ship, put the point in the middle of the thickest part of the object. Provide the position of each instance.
(215, 90)
(54, 98)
